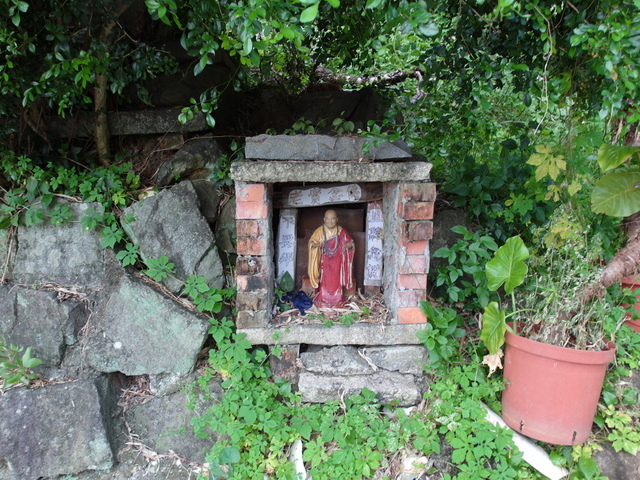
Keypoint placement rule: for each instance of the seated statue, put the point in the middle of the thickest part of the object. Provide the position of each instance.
(330, 266)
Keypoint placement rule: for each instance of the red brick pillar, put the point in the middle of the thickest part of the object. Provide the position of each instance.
(254, 266)
(415, 228)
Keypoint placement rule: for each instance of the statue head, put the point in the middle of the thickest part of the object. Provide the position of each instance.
(330, 219)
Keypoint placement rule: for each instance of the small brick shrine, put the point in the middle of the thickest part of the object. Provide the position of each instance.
(384, 199)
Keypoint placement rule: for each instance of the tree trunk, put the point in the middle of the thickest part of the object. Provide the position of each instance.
(101, 130)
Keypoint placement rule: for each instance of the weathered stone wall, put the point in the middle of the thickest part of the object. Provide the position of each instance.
(118, 353)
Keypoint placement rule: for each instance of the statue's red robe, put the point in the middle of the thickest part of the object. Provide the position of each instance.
(330, 266)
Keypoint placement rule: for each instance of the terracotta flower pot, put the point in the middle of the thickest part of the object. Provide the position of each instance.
(633, 282)
(552, 392)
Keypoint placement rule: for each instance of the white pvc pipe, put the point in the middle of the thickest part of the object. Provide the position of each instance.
(531, 453)
(295, 457)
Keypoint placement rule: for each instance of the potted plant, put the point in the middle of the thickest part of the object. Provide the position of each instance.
(556, 356)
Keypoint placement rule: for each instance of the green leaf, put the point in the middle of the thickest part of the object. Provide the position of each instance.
(494, 327)
(508, 266)
(309, 14)
(286, 283)
(429, 30)
(229, 455)
(616, 194)
(202, 63)
(247, 46)
(611, 156)
(371, 4)
(248, 413)
(288, 33)
(334, 3)
(588, 467)
(27, 359)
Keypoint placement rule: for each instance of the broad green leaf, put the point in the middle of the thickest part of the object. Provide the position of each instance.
(616, 194)
(493, 327)
(229, 455)
(371, 4)
(588, 467)
(507, 266)
(309, 14)
(611, 156)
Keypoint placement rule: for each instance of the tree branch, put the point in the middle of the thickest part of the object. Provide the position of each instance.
(325, 75)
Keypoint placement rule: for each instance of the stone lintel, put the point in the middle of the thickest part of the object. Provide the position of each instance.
(345, 172)
(359, 334)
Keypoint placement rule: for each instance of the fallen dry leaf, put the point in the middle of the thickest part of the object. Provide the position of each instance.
(494, 362)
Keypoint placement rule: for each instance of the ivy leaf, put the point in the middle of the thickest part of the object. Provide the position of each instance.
(611, 156)
(616, 194)
(309, 14)
(508, 266)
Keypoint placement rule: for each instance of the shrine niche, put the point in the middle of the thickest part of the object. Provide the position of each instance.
(380, 203)
(358, 208)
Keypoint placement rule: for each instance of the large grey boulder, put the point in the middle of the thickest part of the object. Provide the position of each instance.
(35, 318)
(388, 386)
(618, 465)
(165, 433)
(197, 159)
(170, 223)
(65, 254)
(225, 230)
(209, 197)
(56, 430)
(139, 331)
